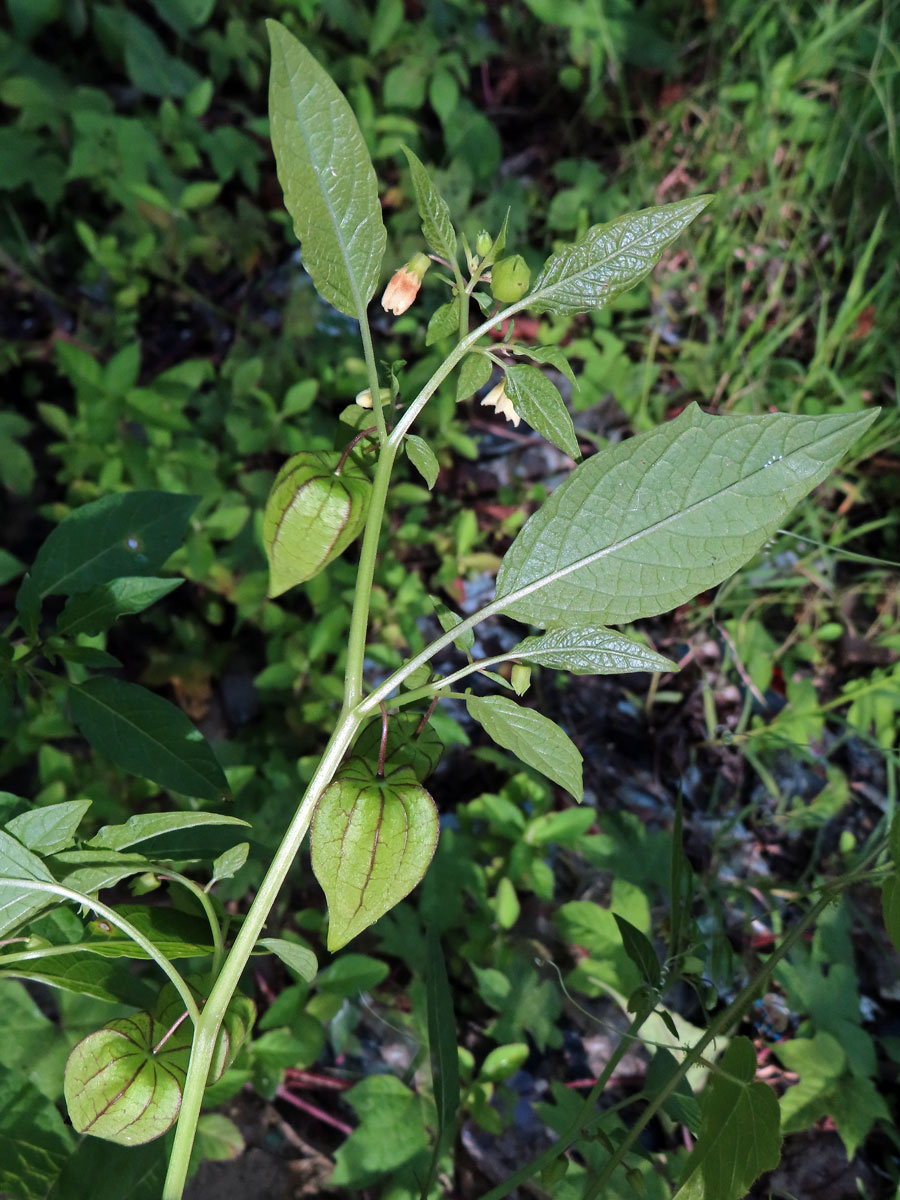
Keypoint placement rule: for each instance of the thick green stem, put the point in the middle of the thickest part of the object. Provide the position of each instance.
(207, 1027)
(352, 715)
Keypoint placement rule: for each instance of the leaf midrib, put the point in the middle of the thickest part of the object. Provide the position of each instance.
(136, 730)
(596, 264)
(510, 598)
(342, 245)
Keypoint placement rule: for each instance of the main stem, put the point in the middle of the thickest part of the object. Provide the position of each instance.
(207, 1027)
(352, 716)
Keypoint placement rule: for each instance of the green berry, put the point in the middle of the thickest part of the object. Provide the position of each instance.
(510, 278)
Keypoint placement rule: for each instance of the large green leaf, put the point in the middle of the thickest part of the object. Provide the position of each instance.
(123, 1083)
(103, 1171)
(739, 1134)
(326, 175)
(50, 829)
(538, 400)
(645, 525)
(390, 1132)
(34, 1140)
(146, 735)
(129, 533)
(18, 904)
(143, 826)
(591, 651)
(437, 225)
(104, 979)
(371, 842)
(94, 611)
(534, 738)
(610, 258)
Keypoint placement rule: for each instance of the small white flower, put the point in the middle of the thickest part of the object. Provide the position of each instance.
(501, 403)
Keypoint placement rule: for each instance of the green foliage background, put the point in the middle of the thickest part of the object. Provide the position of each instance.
(159, 333)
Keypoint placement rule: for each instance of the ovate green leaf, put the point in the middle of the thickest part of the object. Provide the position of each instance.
(610, 258)
(423, 458)
(534, 738)
(118, 1086)
(371, 842)
(18, 904)
(591, 651)
(437, 225)
(645, 525)
(444, 322)
(94, 611)
(299, 958)
(474, 372)
(129, 533)
(50, 829)
(739, 1131)
(538, 400)
(146, 735)
(326, 175)
(144, 826)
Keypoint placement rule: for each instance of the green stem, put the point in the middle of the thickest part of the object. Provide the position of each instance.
(207, 1027)
(206, 903)
(581, 1121)
(365, 575)
(110, 914)
(372, 371)
(359, 620)
(718, 1027)
(352, 715)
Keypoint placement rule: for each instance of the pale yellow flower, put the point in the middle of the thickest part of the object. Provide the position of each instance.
(501, 403)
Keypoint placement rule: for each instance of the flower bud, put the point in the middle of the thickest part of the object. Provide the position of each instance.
(501, 403)
(364, 398)
(404, 285)
(483, 243)
(510, 278)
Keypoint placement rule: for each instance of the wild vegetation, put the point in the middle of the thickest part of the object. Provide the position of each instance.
(623, 986)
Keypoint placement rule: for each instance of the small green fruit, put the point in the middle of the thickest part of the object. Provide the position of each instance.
(483, 243)
(510, 278)
(312, 515)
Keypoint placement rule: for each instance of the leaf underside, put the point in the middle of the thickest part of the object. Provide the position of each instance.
(646, 525)
(326, 175)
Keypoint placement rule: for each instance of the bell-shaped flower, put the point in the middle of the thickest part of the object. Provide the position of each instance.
(404, 285)
(501, 403)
